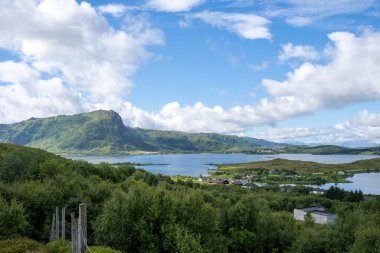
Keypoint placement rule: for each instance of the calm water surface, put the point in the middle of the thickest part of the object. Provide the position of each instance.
(369, 183)
(196, 164)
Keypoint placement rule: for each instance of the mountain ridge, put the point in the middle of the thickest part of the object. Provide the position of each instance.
(103, 132)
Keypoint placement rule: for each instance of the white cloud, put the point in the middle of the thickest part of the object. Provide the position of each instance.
(71, 43)
(113, 9)
(365, 126)
(195, 118)
(247, 26)
(300, 12)
(174, 5)
(301, 134)
(27, 95)
(290, 51)
(352, 76)
(364, 129)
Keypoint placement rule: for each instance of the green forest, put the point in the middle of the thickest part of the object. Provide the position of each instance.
(131, 210)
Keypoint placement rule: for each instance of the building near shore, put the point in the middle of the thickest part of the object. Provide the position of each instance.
(317, 212)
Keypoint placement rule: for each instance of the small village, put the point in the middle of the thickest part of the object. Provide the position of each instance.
(247, 184)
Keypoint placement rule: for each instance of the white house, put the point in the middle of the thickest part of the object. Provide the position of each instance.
(318, 213)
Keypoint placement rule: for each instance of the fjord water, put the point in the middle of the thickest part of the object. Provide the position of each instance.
(368, 183)
(196, 164)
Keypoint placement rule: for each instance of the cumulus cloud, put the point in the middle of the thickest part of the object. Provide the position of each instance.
(351, 76)
(303, 52)
(192, 118)
(247, 26)
(71, 47)
(174, 6)
(363, 129)
(26, 95)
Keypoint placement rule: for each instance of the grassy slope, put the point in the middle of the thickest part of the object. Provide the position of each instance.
(102, 132)
(304, 167)
(21, 245)
(204, 142)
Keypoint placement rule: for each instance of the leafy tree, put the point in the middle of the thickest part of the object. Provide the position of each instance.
(12, 218)
(310, 240)
(367, 241)
(199, 217)
(134, 221)
(309, 220)
(277, 231)
(242, 240)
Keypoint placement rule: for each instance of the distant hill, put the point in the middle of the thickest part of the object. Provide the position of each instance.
(103, 132)
(332, 149)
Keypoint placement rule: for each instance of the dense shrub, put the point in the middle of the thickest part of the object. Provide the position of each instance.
(21, 245)
(12, 218)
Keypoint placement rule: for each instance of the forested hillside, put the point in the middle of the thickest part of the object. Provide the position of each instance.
(135, 211)
(102, 132)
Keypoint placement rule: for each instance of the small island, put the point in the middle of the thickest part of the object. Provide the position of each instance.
(284, 171)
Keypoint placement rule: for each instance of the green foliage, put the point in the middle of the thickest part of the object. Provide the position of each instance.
(311, 240)
(276, 231)
(21, 245)
(133, 221)
(59, 246)
(309, 220)
(337, 193)
(12, 218)
(98, 249)
(181, 240)
(135, 211)
(367, 240)
(242, 240)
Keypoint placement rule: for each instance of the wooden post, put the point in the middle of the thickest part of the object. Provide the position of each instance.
(82, 228)
(52, 231)
(56, 223)
(63, 224)
(79, 237)
(74, 231)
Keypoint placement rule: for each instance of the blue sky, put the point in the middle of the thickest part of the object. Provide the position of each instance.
(282, 70)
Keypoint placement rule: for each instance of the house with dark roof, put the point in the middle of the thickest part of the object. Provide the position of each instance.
(317, 212)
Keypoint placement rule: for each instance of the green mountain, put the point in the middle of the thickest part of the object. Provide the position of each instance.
(101, 132)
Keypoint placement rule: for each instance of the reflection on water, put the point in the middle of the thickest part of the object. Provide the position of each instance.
(369, 183)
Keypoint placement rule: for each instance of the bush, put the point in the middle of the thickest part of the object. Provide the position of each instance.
(59, 246)
(12, 218)
(21, 245)
(103, 250)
